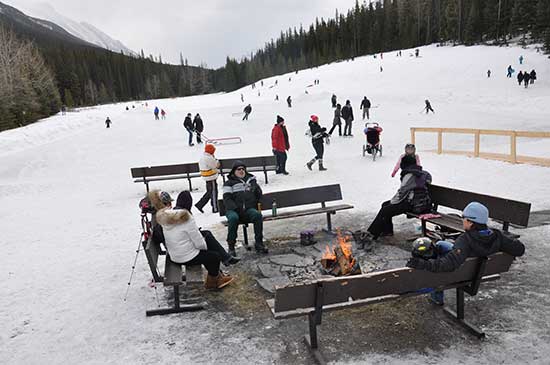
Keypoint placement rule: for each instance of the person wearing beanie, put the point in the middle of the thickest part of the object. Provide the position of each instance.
(412, 196)
(208, 166)
(241, 195)
(347, 114)
(184, 242)
(188, 125)
(318, 135)
(410, 149)
(478, 240)
(198, 126)
(280, 144)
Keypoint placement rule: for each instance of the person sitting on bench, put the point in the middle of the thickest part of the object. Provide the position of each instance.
(184, 242)
(412, 196)
(477, 241)
(241, 194)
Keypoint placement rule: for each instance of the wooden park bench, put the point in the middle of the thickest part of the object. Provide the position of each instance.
(313, 298)
(294, 198)
(191, 170)
(174, 275)
(504, 210)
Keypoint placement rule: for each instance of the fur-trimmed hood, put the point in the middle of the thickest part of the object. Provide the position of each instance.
(168, 216)
(154, 199)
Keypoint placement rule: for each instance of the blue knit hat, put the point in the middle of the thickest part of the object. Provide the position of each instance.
(476, 212)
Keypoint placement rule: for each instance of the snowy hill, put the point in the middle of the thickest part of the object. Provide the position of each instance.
(81, 30)
(66, 191)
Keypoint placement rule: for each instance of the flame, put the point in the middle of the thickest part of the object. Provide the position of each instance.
(329, 253)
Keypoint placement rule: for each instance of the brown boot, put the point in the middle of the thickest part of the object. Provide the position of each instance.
(211, 282)
(223, 280)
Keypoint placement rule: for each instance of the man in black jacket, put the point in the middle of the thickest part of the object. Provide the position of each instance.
(247, 110)
(241, 194)
(365, 105)
(188, 125)
(477, 241)
(198, 125)
(347, 114)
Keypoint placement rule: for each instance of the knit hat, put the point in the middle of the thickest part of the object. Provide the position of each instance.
(209, 148)
(236, 165)
(165, 198)
(185, 200)
(476, 212)
(279, 119)
(314, 119)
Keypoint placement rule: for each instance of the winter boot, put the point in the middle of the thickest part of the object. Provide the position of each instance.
(260, 248)
(223, 280)
(231, 246)
(231, 260)
(437, 297)
(321, 167)
(310, 164)
(211, 282)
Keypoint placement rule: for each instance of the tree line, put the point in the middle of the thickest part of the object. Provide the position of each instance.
(388, 25)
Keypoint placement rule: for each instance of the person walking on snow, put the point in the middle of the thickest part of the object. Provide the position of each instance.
(280, 144)
(208, 166)
(162, 114)
(526, 78)
(521, 60)
(108, 123)
(365, 105)
(533, 75)
(337, 121)
(156, 112)
(333, 100)
(318, 134)
(247, 110)
(488, 73)
(520, 78)
(347, 114)
(289, 102)
(510, 71)
(428, 107)
(188, 124)
(198, 126)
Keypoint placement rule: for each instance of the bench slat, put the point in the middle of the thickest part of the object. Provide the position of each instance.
(173, 273)
(301, 213)
(397, 281)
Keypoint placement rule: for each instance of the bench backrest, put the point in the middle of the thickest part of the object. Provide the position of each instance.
(258, 161)
(505, 210)
(296, 197)
(397, 281)
(166, 170)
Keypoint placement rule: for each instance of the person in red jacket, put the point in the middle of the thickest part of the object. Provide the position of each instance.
(280, 144)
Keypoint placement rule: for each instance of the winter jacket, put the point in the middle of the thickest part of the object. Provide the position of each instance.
(208, 165)
(198, 125)
(248, 109)
(520, 76)
(365, 103)
(182, 237)
(188, 124)
(472, 243)
(414, 189)
(398, 164)
(337, 115)
(347, 113)
(279, 138)
(317, 132)
(533, 75)
(156, 111)
(333, 99)
(241, 194)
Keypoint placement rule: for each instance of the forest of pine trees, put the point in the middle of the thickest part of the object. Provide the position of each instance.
(386, 25)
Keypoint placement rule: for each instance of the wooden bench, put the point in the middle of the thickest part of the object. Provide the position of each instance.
(504, 210)
(174, 275)
(297, 197)
(191, 170)
(313, 298)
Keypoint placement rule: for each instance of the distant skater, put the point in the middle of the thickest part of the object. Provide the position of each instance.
(510, 71)
(108, 123)
(520, 78)
(289, 102)
(428, 107)
(247, 110)
(156, 112)
(162, 114)
(333, 100)
(198, 126)
(365, 105)
(488, 73)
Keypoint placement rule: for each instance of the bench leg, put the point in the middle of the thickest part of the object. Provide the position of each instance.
(245, 236)
(177, 308)
(458, 316)
(311, 340)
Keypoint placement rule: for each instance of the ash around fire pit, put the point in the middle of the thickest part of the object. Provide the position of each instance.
(338, 260)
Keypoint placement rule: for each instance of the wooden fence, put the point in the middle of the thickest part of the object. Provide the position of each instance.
(512, 157)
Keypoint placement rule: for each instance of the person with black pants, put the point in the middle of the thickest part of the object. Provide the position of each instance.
(337, 122)
(188, 125)
(208, 166)
(365, 105)
(198, 126)
(280, 144)
(347, 114)
(318, 134)
(412, 196)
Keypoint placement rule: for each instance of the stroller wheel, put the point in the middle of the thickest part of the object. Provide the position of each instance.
(374, 151)
(364, 150)
(380, 150)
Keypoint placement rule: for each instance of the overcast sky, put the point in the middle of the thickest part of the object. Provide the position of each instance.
(203, 30)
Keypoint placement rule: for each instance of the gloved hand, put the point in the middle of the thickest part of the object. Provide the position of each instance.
(416, 263)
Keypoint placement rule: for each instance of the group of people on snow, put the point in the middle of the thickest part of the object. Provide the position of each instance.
(194, 126)
(158, 111)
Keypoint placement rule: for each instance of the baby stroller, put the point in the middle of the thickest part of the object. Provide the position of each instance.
(372, 145)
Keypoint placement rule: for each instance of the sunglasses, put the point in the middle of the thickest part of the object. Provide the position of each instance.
(240, 169)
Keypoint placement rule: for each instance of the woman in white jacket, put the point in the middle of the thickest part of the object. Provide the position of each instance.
(184, 242)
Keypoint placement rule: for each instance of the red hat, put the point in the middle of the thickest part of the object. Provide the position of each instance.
(210, 148)
(315, 119)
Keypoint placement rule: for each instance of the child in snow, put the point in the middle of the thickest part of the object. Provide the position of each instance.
(410, 150)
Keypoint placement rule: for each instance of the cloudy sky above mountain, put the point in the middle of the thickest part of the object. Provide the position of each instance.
(203, 30)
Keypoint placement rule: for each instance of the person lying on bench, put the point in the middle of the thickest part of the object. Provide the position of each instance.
(241, 194)
(477, 241)
(184, 242)
(412, 196)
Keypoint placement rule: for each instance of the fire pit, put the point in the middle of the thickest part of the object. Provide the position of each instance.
(338, 259)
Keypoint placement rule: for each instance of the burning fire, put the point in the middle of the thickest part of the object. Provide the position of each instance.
(338, 259)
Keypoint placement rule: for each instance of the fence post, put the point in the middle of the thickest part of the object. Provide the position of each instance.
(440, 142)
(413, 135)
(476, 147)
(513, 156)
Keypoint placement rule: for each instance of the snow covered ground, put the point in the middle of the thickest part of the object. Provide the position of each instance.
(70, 221)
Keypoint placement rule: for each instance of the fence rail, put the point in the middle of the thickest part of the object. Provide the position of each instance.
(512, 157)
